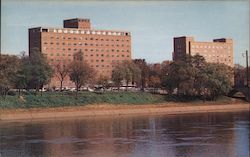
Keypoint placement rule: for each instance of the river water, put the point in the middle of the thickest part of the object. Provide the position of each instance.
(188, 135)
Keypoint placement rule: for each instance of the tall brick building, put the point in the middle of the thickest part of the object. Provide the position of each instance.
(101, 48)
(218, 51)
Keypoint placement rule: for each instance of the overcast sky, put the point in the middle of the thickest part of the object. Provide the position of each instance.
(153, 24)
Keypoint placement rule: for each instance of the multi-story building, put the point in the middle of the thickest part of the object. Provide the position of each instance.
(101, 48)
(218, 51)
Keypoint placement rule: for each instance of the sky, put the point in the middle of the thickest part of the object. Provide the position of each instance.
(153, 24)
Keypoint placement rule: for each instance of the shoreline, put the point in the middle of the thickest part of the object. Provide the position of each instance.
(118, 110)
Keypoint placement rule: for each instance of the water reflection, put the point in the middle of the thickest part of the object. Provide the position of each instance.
(206, 135)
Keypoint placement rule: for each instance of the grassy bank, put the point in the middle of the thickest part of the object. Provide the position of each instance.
(56, 99)
(62, 99)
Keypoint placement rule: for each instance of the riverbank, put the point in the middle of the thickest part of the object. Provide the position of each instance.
(117, 110)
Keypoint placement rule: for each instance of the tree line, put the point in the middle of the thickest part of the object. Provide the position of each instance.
(191, 76)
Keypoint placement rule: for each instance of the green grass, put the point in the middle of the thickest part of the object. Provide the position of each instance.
(59, 99)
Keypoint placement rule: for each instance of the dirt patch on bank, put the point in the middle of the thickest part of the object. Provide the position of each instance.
(121, 109)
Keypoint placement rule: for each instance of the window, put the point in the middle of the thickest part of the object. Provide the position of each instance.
(44, 30)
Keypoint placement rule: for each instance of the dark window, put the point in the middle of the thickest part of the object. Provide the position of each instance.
(44, 30)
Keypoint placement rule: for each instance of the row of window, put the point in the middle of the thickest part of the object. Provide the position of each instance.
(86, 50)
(225, 56)
(86, 44)
(88, 32)
(213, 51)
(219, 60)
(97, 55)
(213, 47)
(64, 60)
(81, 38)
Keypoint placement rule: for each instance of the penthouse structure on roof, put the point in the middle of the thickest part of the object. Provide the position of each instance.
(101, 48)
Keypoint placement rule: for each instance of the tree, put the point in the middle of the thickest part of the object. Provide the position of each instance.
(142, 64)
(239, 75)
(154, 75)
(154, 81)
(80, 72)
(117, 75)
(40, 70)
(9, 66)
(103, 81)
(61, 72)
(127, 71)
(214, 80)
(192, 76)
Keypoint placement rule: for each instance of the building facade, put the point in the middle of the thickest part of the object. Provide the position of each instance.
(101, 48)
(218, 51)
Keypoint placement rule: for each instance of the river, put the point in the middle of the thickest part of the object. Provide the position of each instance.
(187, 135)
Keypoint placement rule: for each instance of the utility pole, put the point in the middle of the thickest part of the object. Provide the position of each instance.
(247, 68)
(248, 91)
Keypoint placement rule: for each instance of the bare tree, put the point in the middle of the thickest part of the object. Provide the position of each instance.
(80, 71)
(61, 72)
